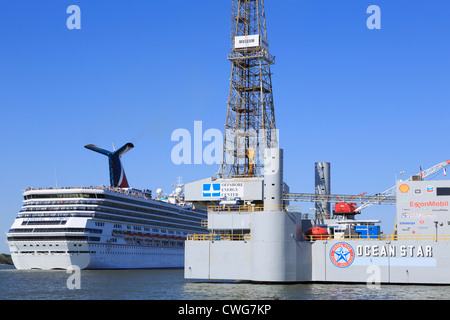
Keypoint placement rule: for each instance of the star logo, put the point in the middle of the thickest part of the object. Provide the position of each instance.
(342, 255)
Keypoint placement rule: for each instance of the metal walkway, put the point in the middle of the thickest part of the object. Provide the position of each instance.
(311, 197)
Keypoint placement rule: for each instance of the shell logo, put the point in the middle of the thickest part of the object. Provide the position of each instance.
(404, 188)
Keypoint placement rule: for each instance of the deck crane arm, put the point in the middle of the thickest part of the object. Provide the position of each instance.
(391, 191)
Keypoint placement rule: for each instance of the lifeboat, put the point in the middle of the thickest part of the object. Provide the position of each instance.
(316, 233)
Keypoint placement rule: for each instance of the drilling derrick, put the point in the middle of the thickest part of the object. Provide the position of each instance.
(250, 126)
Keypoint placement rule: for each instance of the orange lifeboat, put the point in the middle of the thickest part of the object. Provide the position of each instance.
(316, 233)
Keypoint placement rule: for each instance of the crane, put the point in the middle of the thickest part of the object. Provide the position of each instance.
(346, 207)
(391, 191)
(386, 197)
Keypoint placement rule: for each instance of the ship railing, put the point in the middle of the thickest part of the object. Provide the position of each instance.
(144, 194)
(218, 237)
(253, 208)
(382, 237)
(247, 237)
(416, 237)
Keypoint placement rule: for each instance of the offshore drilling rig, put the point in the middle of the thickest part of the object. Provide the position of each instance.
(250, 124)
(250, 127)
(253, 235)
(244, 201)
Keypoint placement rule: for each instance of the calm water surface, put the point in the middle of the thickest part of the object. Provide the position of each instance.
(170, 285)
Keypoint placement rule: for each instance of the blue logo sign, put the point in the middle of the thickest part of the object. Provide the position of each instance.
(342, 255)
(211, 190)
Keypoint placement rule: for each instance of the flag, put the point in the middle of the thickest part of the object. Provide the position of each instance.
(421, 173)
(445, 172)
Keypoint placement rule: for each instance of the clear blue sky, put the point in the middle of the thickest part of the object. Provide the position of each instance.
(371, 102)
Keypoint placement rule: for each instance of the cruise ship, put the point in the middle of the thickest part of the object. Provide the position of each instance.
(114, 227)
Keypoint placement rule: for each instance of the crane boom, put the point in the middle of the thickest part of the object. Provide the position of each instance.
(391, 191)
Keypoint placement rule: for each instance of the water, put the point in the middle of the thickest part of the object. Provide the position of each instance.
(170, 285)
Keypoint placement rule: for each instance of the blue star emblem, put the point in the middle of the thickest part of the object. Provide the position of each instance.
(342, 254)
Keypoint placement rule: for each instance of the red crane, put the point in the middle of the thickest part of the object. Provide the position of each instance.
(346, 208)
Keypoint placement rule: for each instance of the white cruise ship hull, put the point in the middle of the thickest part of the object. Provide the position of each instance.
(98, 229)
(50, 261)
(113, 257)
(141, 258)
(137, 258)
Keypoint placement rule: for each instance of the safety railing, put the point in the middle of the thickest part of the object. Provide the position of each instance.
(382, 237)
(254, 208)
(218, 237)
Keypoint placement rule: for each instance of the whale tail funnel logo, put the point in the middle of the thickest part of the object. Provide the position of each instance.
(116, 172)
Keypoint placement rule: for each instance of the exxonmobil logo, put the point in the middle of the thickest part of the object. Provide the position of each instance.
(428, 204)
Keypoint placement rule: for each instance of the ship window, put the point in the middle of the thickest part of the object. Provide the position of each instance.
(443, 191)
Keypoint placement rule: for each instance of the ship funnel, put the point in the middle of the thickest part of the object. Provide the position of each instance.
(116, 171)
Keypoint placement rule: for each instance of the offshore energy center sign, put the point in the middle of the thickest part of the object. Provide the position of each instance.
(211, 190)
(229, 190)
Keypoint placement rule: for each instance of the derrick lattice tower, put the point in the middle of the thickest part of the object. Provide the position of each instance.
(250, 125)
